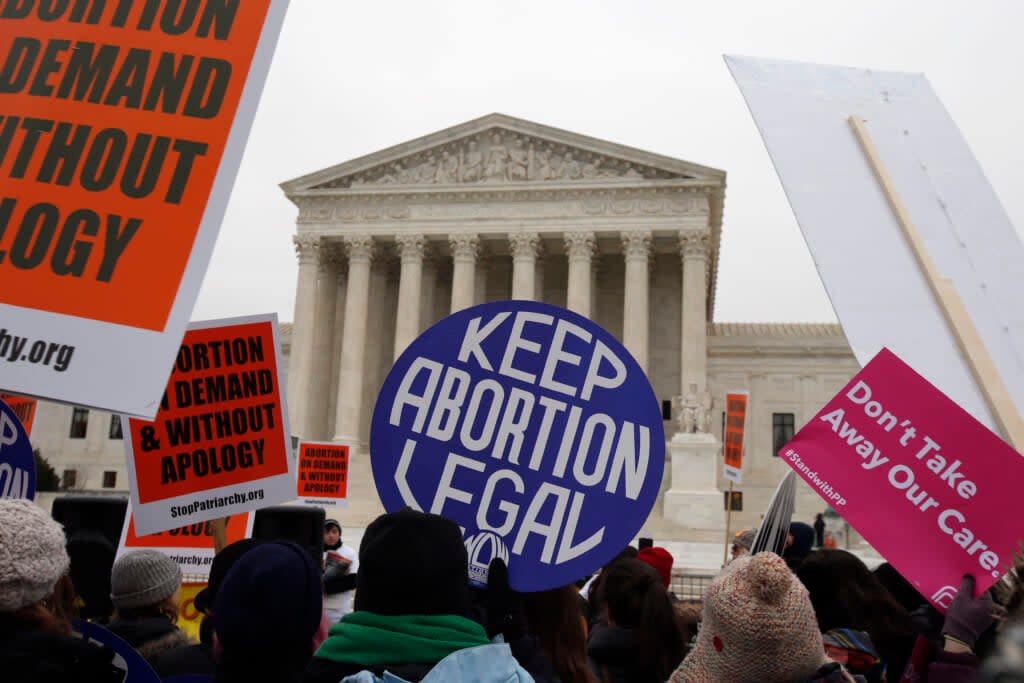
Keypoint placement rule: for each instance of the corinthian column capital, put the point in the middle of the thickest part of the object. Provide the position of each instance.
(694, 243)
(580, 245)
(307, 248)
(359, 247)
(465, 246)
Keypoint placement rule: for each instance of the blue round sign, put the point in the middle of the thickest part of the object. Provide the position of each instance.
(17, 464)
(530, 426)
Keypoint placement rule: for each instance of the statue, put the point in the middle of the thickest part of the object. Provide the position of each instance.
(688, 407)
(518, 161)
(471, 165)
(497, 158)
(592, 169)
(540, 169)
(569, 168)
(447, 170)
(426, 171)
(707, 402)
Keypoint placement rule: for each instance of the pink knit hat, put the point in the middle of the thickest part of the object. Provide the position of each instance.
(758, 627)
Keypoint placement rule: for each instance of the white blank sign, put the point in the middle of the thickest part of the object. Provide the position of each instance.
(876, 287)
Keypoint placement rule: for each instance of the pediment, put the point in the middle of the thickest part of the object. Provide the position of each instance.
(501, 150)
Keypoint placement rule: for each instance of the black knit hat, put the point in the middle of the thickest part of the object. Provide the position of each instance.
(222, 563)
(271, 599)
(412, 563)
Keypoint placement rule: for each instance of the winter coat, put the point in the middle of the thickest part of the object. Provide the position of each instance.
(150, 636)
(483, 664)
(612, 655)
(37, 657)
(194, 660)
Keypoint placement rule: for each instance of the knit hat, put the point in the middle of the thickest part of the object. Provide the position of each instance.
(222, 564)
(412, 563)
(32, 554)
(332, 522)
(745, 539)
(143, 578)
(271, 596)
(758, 627)
(661, 560)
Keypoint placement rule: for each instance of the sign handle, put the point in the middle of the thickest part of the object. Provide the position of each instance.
(220, 534)
(957, 317)
(728, 526)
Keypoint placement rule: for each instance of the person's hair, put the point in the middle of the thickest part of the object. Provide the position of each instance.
(555, 617)
(163, 608)
(595, 611)
(51, 615)
(636, 599)
(845, 594)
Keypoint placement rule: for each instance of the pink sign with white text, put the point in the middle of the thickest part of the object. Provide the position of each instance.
(924, 482)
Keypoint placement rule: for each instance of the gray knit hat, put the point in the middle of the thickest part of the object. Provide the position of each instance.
(32, 554)
(143, 578)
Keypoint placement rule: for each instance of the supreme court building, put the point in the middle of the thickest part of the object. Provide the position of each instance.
(500, 208)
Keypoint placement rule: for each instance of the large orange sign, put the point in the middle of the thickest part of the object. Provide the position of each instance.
(23, 407)
(122, 125)
(735, 424)
(220, 442)
(114, 120)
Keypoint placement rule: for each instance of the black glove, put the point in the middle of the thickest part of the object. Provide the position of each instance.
(502, 605)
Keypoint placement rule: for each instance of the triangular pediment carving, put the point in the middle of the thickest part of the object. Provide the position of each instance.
(501, 150)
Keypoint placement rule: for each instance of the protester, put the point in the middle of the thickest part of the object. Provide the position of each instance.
(145, 587)
(92, 557)
(819, 531)
(742, 543)
(642, 640)
(799, 544)
(267, 614)
(758, 626)
(341, 566)
(198, 659)
(595, 611)
(554, 617)
(36, 604)
(661, 560)
(846, 595)
(411, 598)
(969, 620)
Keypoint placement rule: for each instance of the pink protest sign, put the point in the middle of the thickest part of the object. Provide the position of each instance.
(916, 475)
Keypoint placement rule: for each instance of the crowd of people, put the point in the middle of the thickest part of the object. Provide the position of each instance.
(403, 609)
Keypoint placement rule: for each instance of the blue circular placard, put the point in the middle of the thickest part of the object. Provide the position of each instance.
(17, 464)
(530, 426)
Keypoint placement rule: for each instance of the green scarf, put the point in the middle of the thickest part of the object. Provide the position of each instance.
(369, 639)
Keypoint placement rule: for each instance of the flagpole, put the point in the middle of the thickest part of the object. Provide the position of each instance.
(728, 525)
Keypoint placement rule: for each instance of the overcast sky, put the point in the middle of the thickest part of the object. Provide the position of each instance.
(349, 78)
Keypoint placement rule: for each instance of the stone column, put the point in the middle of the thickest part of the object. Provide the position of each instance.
(323, 343)
(579, 247)
(693, 247)
(339, 336)
(411, 248)
(636, 245)
(480, 275)
(428, 297)
(525, 247)
(465, 248)
(307, 249)
(353, 348)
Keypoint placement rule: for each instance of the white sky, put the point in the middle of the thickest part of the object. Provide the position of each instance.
(350, 78)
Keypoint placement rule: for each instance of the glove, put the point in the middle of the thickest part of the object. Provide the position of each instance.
(502, 605)
(968, 616)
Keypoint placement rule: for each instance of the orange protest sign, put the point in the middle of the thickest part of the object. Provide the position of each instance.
(23, 407)
(220, 442)
(191, 546)
(197, 535)
(735, 423)
(323, 473)
(121, 130)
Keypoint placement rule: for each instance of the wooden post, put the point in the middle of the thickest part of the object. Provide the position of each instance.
(728, 525)
(220, 534)
(957, 317)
